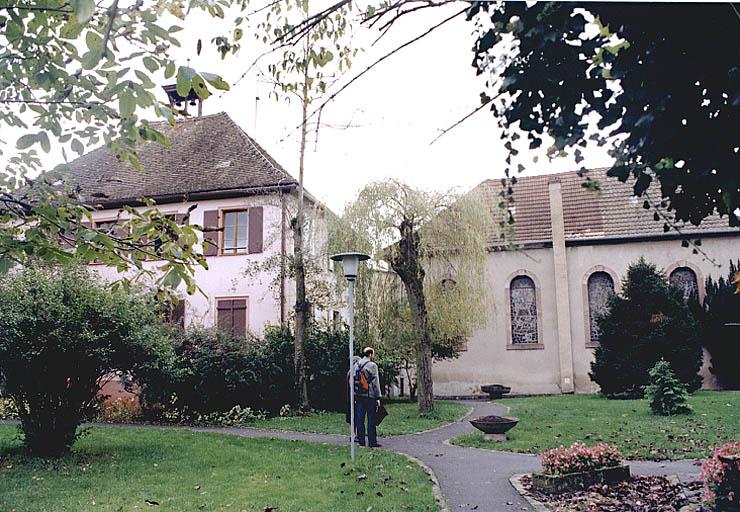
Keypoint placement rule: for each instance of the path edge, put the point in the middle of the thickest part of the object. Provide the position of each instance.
(516, 483)
(436, 489)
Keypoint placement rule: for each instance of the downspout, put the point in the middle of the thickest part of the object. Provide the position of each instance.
(283, 224)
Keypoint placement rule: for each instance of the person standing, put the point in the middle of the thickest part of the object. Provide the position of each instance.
(368, 400)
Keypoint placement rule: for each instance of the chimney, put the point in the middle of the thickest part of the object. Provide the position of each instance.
(180, 102)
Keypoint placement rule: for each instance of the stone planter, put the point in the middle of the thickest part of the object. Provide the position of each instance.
(579, 481)
(494, 427)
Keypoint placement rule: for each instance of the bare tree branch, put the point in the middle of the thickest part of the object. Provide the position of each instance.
(465, 118)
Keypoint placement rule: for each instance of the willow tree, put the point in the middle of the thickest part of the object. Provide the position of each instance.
(432, 246)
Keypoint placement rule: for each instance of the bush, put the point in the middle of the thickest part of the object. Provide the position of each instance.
(579, 458)
(61, 332)
(666, 394)
(720, 319)
(7, 409)
(647, 322)
(719, 490)
(234, 417)
(119, 410)
(213, 371)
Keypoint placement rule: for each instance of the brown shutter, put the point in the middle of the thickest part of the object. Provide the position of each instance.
(231, 316)
(210, 232)
(177, 316)
(255, 229)
(239, 312)
(182, 219)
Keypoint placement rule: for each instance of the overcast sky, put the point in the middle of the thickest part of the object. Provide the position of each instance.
(382, 125)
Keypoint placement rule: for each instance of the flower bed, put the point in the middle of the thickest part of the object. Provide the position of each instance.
(720, 474)
(578, 467)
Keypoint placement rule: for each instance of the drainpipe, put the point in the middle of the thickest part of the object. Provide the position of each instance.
(562, 296)
(283, 223)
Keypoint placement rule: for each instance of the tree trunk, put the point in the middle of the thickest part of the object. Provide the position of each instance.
(301, 303)
(406, 263)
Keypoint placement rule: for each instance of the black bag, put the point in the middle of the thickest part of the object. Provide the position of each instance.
(380, 414)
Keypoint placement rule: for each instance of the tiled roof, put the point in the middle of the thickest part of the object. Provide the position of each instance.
(613, 212)
(208, 154)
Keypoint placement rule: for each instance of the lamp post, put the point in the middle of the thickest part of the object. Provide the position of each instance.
(350, 265)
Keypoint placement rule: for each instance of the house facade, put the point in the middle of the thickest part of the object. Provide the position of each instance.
(216, 176)
(574, 250)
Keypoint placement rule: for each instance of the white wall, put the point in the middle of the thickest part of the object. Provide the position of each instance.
(225, 276)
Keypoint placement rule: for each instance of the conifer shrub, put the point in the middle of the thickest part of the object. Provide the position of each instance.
(647, 321)
(667, 395)
(720, 321)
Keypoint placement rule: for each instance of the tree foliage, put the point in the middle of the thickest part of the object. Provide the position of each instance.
(646, 322)
(660, 82)
(74, 75)
(423, 293)
(720, 319)
(61, 332)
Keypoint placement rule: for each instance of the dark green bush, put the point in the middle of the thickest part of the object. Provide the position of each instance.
(61, 331)
(666, 394)
(721, 328)
(213, 371)
(646, 322)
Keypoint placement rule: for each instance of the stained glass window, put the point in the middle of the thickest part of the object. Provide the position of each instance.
(523, 298)
(685, 279)
(600, 288)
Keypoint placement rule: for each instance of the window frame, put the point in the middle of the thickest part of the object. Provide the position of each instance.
(510, 345)
(222, 212)
(588, 342)
(245, 298)
(700, 281)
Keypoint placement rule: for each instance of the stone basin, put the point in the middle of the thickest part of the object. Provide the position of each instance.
(494, 424)
(495, 391)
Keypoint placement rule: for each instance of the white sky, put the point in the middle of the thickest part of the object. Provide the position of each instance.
(391, 114)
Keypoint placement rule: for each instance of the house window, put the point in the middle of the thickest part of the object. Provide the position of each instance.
(236, 232)
(685, 279)
(231, 316)
(523, 301)
(600, 287)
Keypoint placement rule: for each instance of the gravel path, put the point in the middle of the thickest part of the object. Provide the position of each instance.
(470, 478)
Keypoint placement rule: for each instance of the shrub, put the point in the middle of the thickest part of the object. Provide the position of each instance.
(61, 331)
(119, 410)
(718, 488)
(667, 395)
(720, 318)
(647, 322)
(234, 417)
(579, 458)
(7, 409)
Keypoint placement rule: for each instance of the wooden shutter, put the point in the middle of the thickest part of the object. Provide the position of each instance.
(255, 229)
(210, 232)
(231, 316)
(177, 316)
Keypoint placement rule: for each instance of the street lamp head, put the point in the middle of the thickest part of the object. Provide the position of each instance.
(350, 263)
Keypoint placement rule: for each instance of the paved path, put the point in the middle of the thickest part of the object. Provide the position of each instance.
(470, 478)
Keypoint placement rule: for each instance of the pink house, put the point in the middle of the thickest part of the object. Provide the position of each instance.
(236, 188)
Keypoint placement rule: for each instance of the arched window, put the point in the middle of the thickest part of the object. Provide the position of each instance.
(600, 287)
(685, 279)
(523, 299)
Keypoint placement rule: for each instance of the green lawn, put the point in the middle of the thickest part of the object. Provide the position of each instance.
(403, 418)
(119, 469)
(547, 422)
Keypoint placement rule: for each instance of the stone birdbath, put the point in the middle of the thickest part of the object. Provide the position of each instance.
(494, 428)
(495, 391)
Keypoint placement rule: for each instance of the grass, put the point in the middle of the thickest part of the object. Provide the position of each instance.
(548, 422)
(126, 469)
(403, 418)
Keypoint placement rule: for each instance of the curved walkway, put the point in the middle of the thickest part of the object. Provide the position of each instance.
(470, 478)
